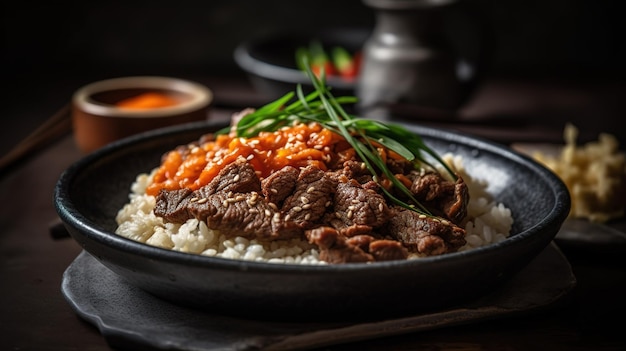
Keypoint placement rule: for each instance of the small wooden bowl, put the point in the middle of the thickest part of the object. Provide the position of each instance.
(99, 120)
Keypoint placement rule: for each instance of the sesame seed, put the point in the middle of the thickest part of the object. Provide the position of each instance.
(297, 208)
(337, 214)
(268, 213)
(273, 191)
(318, 147)
(351, 208)
(444, 222)
(273, 206)
(236, 178)
(327, 204)
(355, 201)
(380, 207)
(349, 215)
(307, 217)
(276, 217)
(310, 189)
(225, 203)
(203, 200)
(306, 206)
(193, 199)
(304, 200)
(250, 157)
(287, 217)
(422, 217)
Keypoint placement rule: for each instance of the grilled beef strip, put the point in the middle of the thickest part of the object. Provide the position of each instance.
(335, 248)
(442, 197)
(423, 234)
(354, 204)
(280, 184)
(311, 198)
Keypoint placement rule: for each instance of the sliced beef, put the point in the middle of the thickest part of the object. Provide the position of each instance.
(355, 205)
(237, 177)
(280, 184)
(348, 230)
(172, 205)
(357, 170)
(311, 197)
(388, 250)
(399, 166)
(243, 214)
(335, 248)
(423, 234)
(442, 197)
(355, 230)
(456, 206)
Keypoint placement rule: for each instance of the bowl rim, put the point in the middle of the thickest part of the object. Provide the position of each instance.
(201, 96)
(72, 216)
(243, 56)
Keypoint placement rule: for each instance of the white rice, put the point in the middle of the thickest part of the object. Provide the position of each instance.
(487, 222)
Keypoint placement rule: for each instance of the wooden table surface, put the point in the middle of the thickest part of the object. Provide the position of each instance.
(35, 316)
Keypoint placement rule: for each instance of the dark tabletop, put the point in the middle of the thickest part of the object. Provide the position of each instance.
(35, 315)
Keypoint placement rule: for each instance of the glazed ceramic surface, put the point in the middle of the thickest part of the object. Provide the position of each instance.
(90, 192)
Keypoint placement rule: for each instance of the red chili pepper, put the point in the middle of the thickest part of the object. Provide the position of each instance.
(319, 60)
(346, 65)
(357, 60)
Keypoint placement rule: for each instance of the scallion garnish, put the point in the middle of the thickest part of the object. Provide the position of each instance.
(320, 106)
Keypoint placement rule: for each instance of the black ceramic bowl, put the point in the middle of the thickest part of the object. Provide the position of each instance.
(270, 60)
(90, 192)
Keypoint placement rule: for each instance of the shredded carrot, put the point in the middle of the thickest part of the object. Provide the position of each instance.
(299, 145)
(404, 179)
(147, 100)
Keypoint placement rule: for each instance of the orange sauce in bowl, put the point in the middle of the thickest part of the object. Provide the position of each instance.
(147, 100)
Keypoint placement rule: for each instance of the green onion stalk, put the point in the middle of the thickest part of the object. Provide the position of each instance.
(320, 106)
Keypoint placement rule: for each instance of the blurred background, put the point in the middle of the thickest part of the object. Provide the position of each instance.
(50, 49)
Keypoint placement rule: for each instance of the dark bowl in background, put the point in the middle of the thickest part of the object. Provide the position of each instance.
(270, 60)
(89, 194)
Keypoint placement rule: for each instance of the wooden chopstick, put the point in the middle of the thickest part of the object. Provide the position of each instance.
(59, 124)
